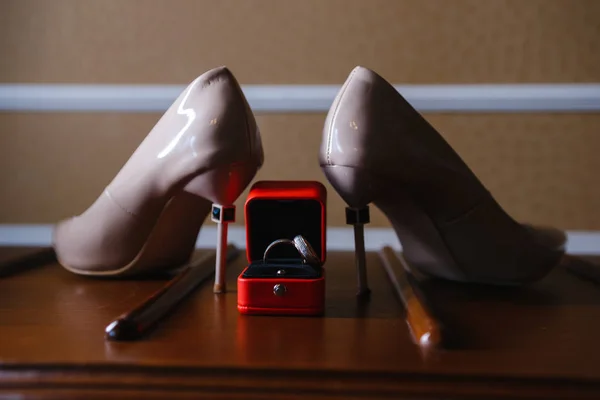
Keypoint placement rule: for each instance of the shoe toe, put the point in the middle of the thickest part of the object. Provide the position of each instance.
(552, 238)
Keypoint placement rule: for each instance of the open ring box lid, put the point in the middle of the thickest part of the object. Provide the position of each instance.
(281, 210)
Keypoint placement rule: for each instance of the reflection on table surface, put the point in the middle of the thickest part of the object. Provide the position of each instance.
(548, 330)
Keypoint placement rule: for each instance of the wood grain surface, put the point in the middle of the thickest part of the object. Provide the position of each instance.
(534, 342)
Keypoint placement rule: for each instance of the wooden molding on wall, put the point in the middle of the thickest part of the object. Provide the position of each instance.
(303, 98)
(338, 239)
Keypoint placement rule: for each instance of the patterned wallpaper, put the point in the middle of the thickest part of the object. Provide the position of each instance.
(308, 41)
(542, 167)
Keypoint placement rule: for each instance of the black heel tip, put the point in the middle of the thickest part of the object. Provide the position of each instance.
(364, 294)
(357, 216)
(122, 330)
(222, 214)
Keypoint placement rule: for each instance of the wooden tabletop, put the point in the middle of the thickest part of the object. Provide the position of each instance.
(535, 342)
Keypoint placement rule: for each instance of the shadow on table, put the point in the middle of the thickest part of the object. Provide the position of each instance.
(561, 287)
(20, 260)
(484, 316)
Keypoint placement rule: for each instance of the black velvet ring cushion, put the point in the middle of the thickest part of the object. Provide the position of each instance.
(286, 268)
(272, 219)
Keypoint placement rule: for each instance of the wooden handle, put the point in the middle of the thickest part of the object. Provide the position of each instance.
(25, 261)
(424, 327)
(135, 323)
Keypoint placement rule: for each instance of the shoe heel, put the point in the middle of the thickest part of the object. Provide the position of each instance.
(356, 188)
(358, 217)
(222, 186)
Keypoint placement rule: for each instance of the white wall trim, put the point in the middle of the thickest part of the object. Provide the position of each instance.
(304, 98)
(338, 239)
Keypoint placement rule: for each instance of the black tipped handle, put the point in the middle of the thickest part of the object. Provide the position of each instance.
(135, 323)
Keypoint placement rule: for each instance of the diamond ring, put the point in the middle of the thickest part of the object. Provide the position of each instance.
(302, 246)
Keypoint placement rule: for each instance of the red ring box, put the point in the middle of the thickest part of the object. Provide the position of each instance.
(281, 210)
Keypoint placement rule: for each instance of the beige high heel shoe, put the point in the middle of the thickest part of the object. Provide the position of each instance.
(378, 149)
(204, 150)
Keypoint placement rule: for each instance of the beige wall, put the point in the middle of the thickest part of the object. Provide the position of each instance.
(300, 41)
(542, 167)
